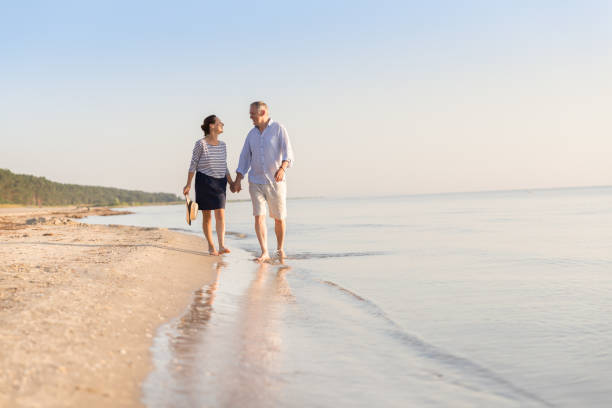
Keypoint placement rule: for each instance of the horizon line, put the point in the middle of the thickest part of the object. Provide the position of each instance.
(512, 190)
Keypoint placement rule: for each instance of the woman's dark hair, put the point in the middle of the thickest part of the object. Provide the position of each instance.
(207, 122)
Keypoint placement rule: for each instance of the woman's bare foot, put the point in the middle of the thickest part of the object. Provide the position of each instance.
(224, 250)
(263, 257)
(280, 254)
(212, 251)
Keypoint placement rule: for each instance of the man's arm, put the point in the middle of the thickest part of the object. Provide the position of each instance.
(243, 164)
(286, 155)
(286, 149)
(237, 185)
(280, 173)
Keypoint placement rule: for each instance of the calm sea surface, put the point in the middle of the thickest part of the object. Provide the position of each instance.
(497, 299)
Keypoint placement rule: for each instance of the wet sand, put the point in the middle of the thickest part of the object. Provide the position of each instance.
(79, 305)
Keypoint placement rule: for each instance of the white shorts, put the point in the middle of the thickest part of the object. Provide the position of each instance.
(273, 194)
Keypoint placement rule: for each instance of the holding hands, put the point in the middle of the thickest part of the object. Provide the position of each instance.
(235, 186)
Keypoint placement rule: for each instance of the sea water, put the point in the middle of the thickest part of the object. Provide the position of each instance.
(497, 299)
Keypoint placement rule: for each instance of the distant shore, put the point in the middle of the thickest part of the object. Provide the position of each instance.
(120, 205)
(79, 304)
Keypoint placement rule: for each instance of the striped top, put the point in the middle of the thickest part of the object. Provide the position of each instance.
(208, 159)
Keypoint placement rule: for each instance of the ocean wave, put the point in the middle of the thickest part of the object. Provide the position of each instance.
(451, 363)
(182, 230)
(191, 231)
(561, 261)
(322, 255)
(317, 255)
(236, 234)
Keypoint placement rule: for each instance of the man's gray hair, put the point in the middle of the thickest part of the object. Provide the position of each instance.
(259, 105)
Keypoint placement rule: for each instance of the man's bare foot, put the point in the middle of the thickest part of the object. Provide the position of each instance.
(263, 257)
(280, 254)
(212, 251)
(224, 250)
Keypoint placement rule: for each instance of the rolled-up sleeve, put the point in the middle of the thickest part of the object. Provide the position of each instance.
(195, 157)
(286, 149)
(244, 164)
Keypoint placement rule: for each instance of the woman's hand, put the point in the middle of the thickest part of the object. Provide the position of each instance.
(186, 189)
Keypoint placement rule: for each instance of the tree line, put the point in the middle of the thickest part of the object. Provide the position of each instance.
(31, 190)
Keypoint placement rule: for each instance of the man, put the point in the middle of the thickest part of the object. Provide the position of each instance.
(267, 153)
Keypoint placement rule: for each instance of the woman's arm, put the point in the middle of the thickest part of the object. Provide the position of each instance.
(188, 185)
(193, 166)
(228, 176)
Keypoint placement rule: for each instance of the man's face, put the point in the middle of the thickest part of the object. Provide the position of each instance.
(256, 116)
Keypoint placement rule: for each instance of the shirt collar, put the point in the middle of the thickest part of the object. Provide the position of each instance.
(270, 121)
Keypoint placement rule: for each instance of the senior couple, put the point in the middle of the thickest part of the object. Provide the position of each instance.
(266, 155)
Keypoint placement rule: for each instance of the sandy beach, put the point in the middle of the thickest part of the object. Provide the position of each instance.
(79, 304)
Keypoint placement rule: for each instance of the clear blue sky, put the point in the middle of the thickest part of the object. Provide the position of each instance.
(379, 97)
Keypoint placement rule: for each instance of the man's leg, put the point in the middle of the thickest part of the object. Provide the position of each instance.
(279, 229)
(258, 200)
(260, 231)
(277, 202)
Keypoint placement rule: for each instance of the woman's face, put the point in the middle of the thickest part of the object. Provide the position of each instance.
(217, 127)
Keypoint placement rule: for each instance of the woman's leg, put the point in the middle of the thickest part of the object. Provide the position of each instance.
(207, 227)
(220, 226)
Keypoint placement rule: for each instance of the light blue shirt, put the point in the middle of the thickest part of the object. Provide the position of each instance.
(264, 152)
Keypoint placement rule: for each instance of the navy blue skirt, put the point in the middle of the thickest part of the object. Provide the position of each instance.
(210, 191)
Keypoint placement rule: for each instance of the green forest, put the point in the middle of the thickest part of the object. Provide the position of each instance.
(30, 190)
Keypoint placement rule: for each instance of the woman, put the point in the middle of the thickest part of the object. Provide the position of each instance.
(209, 164)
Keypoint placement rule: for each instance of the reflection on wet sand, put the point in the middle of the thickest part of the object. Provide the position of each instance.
(189, 331)
(282, 286)
(229, 354)
(260, 345)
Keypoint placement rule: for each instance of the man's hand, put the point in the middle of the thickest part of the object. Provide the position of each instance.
(280, 174)
(186, 189)
(232, 187)
(237, 186)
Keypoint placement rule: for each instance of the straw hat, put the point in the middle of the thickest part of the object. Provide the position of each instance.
(192, 210)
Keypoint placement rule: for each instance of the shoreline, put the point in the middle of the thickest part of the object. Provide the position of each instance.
(80, 305)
